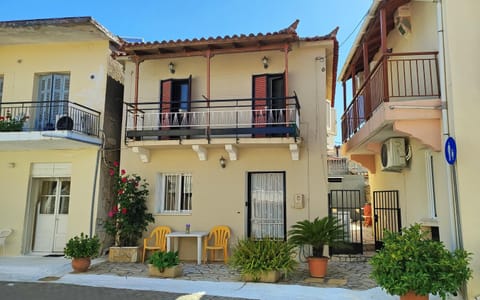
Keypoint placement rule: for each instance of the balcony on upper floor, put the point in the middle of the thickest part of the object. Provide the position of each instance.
(400, 87)
(37, 125)
(257, 120)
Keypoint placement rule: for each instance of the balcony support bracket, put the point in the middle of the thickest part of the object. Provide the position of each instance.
(201, 152)
(143, 154)
(232, 151)
(294, 151)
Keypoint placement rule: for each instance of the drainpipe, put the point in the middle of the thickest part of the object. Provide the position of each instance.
(452, 184)
(95, 176)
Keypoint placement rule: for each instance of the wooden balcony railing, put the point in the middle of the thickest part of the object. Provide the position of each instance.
(49, 115)
(397, 76)
(266, 117)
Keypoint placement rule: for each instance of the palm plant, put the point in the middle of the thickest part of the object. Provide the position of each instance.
(317, 233)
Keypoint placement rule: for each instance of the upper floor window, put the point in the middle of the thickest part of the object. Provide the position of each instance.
(53, 94)
(175, 95)
(175, 193)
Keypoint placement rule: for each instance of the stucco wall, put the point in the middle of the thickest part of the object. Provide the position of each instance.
(20, 63)
(463, 93)
(15, 183)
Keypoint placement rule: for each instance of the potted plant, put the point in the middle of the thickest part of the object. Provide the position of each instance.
(164, 264)
(317, 234)
(411, 264)
(263, 260)
(128, 218)
(81, 249)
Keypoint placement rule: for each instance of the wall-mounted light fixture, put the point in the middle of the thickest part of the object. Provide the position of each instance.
(223, 162)
(265, 62)
(171, 67)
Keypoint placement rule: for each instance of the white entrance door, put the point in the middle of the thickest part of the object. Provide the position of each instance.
(52, 215)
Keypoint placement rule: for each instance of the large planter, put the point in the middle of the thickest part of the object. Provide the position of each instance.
(318, 266)
(81, 264)
(170, 272)
(124, 254)
(413, 296)
(267, 276)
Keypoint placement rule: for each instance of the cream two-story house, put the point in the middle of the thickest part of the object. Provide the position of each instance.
(409, 117)
(230, 130)
(60, 120)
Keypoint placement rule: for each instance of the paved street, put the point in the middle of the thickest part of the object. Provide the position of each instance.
(54, 291)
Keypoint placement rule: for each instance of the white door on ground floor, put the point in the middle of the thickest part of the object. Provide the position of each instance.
(51, 215)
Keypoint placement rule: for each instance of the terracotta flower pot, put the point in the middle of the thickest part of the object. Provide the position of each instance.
(317, 266)
(81, 264)
(413, 296)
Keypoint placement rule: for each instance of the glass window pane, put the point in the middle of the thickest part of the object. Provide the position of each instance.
(47, 205)
(64, 203)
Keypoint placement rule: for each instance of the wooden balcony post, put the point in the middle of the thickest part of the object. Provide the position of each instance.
(286, 49)
(137, 62)
(366, 75)
(383, 39)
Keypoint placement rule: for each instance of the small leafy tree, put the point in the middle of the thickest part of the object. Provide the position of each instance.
(411, 262)
(128, 218)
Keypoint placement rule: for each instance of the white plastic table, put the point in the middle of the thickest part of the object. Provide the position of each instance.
(194, 234)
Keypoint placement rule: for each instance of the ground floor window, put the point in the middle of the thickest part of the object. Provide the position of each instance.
(175, 193)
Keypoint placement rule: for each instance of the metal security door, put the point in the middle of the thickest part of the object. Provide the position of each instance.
(52, 216)
(266, 205)
(345, 206)
(386, 212)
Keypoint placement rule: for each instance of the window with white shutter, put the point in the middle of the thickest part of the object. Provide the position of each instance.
(53, 90)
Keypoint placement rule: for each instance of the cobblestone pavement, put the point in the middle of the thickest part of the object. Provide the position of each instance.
(348, 272)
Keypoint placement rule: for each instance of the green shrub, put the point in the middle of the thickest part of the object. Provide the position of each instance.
(82, 246)
(163, 260)
(410, 261)
(253, 257)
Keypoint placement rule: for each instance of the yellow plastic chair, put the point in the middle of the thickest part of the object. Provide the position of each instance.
(220, 235)
(157, 240)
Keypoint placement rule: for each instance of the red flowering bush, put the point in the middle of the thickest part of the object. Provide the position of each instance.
(128, 218)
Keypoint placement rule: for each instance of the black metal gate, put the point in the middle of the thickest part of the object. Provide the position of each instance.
(346, 207)
(386, 211)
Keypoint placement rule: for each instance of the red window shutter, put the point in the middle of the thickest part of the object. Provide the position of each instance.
(166, 95)
(259, 101)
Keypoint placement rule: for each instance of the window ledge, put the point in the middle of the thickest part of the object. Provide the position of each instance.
(174, 213)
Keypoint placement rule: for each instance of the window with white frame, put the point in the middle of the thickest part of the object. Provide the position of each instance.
(175, 193)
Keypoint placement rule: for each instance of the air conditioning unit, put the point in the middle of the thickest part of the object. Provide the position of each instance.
(393, 155)
(402, 19)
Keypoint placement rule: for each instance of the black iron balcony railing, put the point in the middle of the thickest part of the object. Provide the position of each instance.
(265, 117)
(49, 115)
(396, 77)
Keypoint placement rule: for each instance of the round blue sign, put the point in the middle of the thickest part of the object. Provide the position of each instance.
(450, 150)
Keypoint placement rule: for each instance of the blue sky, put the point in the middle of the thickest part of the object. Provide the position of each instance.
(167, 20)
